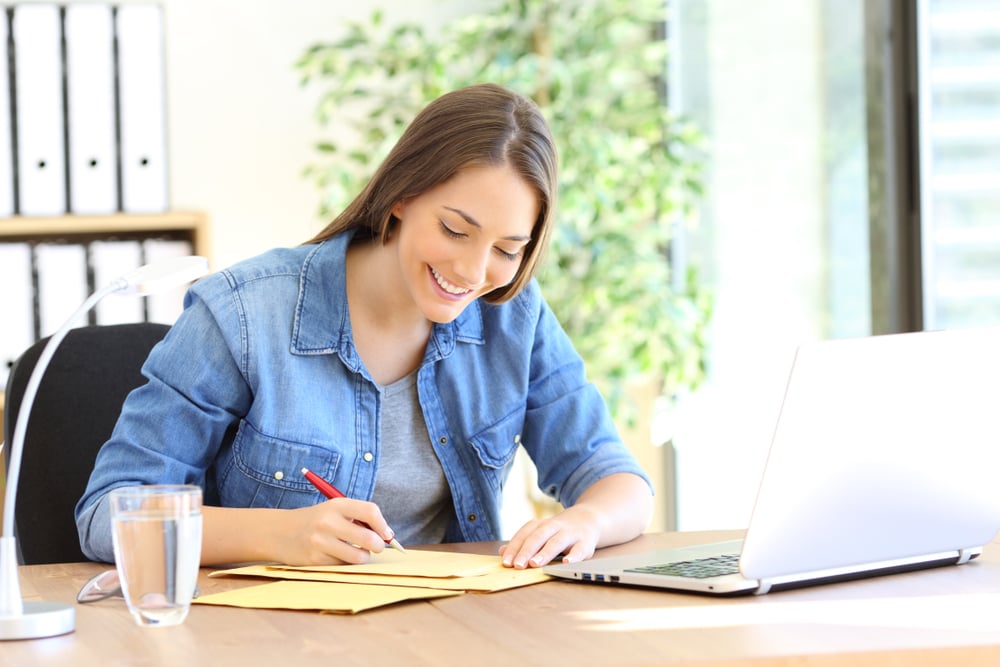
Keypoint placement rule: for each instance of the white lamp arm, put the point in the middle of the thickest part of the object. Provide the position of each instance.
(43, 619)
(28, 399)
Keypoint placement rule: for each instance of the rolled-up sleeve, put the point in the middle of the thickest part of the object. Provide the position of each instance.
(170, 429)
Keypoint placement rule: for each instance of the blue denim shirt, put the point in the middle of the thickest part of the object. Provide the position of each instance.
(260, 378)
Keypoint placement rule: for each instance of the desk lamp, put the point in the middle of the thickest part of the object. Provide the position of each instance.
(21, 619)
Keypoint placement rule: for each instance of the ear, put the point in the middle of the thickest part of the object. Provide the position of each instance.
(397, 209)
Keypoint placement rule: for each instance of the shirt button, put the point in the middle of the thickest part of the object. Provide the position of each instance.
(279, 475)
(472, 517)
(368, 457)
(443, 440)
(517, 439)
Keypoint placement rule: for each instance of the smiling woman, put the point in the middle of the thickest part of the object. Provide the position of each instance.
(404, 354)
(469, 233)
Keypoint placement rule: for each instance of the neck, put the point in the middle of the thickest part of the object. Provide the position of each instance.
(376, 292)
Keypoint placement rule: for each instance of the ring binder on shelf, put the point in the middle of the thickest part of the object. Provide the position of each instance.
(90, 88)
(7, 165)
(16, 303)
(41, 151)
(141, 108)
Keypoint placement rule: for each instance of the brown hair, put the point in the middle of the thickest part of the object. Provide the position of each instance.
(484, 124)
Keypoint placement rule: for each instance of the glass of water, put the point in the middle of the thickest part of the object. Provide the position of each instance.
(157, 538)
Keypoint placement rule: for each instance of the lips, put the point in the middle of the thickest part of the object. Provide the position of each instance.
(450, 288)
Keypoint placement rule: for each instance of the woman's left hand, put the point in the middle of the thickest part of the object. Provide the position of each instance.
(572, 532)
(612, 510)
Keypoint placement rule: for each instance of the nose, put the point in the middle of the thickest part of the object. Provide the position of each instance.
(471, 267)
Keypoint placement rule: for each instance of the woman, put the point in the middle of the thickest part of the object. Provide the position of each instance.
(403, 354)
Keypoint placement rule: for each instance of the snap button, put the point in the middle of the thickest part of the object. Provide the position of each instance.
(517, 439)
(279, 475)
(443, 440)
(368, 457)
(472, 517)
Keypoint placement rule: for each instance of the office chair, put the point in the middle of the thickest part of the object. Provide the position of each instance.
(78, 402)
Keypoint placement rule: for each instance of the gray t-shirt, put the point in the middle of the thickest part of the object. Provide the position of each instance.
(410, 486)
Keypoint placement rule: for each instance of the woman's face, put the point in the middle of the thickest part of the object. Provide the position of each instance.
(464, 238)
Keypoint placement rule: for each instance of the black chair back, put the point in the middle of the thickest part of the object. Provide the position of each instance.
(75, 410)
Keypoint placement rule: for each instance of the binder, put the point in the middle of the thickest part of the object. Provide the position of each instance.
(109, 260)
(62, 283)
(90, 119)
(142, 113)
(165, 307)
(6, 127)
(16, 304)
(41, 156)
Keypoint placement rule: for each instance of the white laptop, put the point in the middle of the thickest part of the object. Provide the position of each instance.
(885, 458)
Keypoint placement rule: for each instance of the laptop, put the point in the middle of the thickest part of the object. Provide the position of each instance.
(885, 458)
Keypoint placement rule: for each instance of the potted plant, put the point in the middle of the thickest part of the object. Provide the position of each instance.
(627, 166)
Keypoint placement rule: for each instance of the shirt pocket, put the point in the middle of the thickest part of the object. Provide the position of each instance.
(267, 471)
(496, 445)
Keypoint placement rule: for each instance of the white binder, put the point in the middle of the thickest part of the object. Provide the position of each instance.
(41, 162)
(90, 92)
(142, 113)
(62, 283)
(16, 304)
(165, 307)
(109, 260)
(6, 129)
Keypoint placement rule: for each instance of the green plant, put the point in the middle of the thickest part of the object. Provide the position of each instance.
(595, 67)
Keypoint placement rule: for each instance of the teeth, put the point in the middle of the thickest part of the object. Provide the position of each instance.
(447, 286)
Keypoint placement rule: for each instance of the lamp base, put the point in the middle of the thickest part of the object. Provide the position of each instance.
(40, 619)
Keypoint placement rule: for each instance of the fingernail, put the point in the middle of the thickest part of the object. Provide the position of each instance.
(536, 561)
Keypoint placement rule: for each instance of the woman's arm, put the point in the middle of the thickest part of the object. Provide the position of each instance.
(324, 534)
(612, 510)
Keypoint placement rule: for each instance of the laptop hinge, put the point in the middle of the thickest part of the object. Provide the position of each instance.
(763, 587)
(965, 555)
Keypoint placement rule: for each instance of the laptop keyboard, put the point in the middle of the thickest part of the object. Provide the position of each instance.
(699, 568)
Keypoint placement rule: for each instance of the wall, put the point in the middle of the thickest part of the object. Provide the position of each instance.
(240, 127)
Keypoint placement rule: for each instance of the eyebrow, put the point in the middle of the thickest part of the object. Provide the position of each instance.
(475, 223)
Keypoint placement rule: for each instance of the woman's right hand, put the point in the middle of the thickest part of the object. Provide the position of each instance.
(329, 533)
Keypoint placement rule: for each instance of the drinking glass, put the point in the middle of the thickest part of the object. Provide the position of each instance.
(157, 540)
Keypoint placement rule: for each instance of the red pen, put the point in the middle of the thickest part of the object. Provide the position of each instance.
(330, 491)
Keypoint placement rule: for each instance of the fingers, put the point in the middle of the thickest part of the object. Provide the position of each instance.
(367, 515)
(340, 530)
(537, 543)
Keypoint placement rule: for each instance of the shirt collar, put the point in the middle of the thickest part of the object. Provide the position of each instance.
(322, 323)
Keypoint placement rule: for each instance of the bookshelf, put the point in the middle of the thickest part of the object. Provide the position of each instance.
(191, 226)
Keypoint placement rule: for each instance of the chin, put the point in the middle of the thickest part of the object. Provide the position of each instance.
(441, 312)
(440, 316)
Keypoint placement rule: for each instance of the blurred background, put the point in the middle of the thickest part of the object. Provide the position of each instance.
(850, 164)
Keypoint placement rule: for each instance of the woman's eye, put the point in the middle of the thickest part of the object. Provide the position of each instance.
(449, 231)
(512, 256)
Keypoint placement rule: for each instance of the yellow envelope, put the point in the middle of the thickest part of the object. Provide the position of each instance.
(498, 579)
(321, 596)
(416, 563)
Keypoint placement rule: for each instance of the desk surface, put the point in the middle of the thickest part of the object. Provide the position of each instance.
(946, 616)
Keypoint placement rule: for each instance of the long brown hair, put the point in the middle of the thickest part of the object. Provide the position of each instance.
(484, 124)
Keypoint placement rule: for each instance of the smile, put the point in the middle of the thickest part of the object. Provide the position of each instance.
(447, 286)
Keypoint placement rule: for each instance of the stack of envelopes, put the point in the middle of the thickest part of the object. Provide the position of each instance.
(390, 577)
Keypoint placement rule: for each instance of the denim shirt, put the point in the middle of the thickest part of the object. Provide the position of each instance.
(260, 378)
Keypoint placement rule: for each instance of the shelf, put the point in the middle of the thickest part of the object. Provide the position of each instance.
(32, 228)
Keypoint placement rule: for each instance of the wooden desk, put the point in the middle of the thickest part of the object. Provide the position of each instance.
(947, 616)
